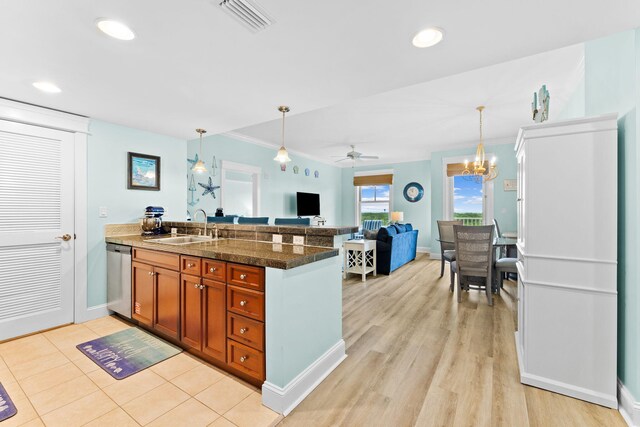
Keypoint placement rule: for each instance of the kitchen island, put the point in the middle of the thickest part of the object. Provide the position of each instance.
(268, 313)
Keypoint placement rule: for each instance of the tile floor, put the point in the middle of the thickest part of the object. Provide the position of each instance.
(53, 384)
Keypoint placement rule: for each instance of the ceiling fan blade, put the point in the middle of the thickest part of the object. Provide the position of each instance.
(369, 157)
(341, 160)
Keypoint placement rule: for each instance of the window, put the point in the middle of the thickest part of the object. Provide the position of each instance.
(467, 201)
(374, 202)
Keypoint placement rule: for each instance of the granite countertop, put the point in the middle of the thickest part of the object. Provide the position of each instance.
(282, 256)
(309, 230)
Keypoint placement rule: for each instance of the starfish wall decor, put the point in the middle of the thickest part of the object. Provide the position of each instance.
(193, 161)
(210, 188)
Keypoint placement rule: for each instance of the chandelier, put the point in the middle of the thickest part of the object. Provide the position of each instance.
(481, 169)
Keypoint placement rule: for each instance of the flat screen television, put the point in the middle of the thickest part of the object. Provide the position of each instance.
(308, 204)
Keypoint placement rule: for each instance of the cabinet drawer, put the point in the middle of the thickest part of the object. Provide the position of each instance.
(246, 276)
(190, 265)
(161, 259)
(246, 331)
(245, 359)
(214, 270)
(245, 302)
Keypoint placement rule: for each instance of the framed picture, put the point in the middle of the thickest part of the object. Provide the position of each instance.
(143, 172)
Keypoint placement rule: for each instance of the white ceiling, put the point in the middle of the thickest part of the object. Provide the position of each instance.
(412, 122)
(193, 66)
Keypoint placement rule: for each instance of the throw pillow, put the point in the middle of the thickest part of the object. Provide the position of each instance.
(370, 234)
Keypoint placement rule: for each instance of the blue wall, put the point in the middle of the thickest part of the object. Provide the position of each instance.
(418, 213)
(278, 188)
(504, 208)
(612, 84)
(108, 145)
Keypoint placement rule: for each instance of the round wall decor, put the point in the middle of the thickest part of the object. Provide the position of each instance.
(413, 192)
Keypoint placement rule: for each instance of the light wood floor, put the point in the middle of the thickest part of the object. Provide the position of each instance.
(417, 357)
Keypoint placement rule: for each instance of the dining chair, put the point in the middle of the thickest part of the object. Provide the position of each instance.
(501, 250)
(503, 266)
(474, 258)
(447, 246)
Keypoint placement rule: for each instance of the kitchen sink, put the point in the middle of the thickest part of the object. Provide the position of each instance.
(183, 240)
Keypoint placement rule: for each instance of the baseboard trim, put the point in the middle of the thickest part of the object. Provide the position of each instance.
(629, 407)
(284, 399)
(435, 256)
(91, 313)
(423, 250)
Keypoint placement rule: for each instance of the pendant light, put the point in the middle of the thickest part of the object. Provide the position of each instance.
(283, 155)
(481, 170)
(199, 167)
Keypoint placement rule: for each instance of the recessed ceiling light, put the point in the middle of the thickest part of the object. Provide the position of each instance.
(47, 87)
(428, 37)
(115, 29)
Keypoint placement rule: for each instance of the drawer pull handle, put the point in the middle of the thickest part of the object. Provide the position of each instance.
(243, 358)
(190, 265)
(243, 276)
(196, 285)
(243, 330)
(212, 270)
(150, 273)
(243, 303)
(201, 287)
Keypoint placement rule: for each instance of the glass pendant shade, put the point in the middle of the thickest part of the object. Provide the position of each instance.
(199, 167)
(282, 156)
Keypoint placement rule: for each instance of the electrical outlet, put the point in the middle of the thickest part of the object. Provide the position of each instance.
(277, 238)
(299, 250)
(103, 212)
(298, 240)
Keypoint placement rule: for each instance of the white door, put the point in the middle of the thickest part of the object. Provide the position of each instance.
(36, 212)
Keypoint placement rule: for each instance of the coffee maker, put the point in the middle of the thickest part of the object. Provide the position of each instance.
(152, 221)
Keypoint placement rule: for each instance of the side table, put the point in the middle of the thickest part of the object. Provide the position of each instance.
(359, 258)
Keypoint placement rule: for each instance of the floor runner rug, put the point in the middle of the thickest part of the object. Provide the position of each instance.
(7, 408)
(126, 352)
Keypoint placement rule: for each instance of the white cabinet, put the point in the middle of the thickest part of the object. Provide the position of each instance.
(567, 257)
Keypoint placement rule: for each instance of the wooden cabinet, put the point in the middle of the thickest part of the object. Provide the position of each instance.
(214, 270)
(142, 292)
(191, 311)
(167, 302)
(204, 316)
(156, 292)
(211, 306)
(214, 319)
(246, 276)
(245, 302)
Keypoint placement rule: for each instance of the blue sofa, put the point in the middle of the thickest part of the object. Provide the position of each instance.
(396, 245)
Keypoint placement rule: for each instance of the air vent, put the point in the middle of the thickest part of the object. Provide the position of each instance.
(247, 13)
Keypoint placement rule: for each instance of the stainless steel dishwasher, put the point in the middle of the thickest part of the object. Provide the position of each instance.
(119, 279)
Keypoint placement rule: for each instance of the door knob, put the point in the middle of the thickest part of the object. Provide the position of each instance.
(64, 237)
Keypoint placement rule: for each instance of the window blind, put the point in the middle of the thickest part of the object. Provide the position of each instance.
(359, 181)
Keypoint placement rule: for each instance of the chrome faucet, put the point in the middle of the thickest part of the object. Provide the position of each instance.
(205, 219)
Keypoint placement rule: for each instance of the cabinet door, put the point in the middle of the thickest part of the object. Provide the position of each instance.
(167, 307)
(215, 318)
(142, 292)
(192, 311)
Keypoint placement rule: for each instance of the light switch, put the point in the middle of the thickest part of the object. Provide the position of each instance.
(298, 240)
(103, 212)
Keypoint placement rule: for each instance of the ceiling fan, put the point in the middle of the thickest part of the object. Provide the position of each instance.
(354, 155)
